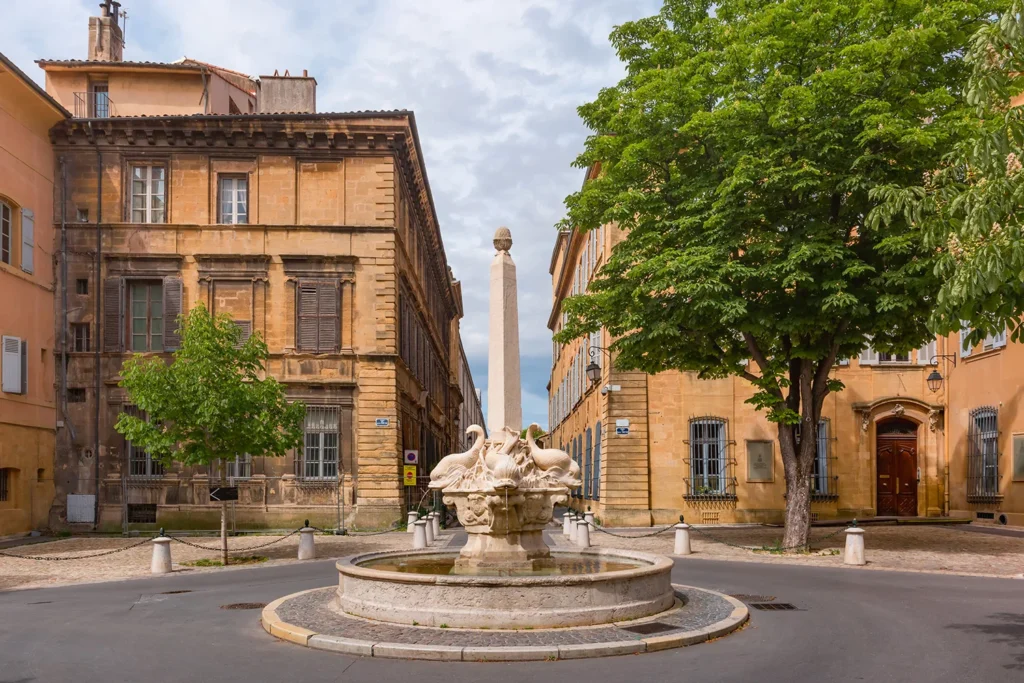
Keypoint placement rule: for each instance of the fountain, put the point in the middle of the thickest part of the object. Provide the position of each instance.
(504, 490)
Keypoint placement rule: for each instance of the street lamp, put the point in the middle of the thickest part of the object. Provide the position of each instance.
(935, 379)
(593, 369)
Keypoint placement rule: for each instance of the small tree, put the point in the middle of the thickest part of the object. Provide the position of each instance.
(739, 155)
(211, 403)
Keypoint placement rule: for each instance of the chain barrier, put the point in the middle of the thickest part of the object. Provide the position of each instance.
(233, 550)
(50, 558)
(394, 527)
(769, 548)
(647, 535)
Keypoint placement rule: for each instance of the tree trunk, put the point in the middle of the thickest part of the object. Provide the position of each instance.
(224, 531)
(798, 509)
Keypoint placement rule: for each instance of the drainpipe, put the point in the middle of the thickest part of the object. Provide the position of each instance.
(64, 300)
(98, 365)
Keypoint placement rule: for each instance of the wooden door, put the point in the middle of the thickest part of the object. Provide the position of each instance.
(897, 476)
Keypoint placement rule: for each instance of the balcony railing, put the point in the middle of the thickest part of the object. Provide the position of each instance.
(94, 105)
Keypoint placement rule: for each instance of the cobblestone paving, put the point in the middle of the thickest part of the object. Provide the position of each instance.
(313, 610)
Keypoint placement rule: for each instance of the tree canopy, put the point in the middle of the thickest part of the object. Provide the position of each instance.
(740, 154)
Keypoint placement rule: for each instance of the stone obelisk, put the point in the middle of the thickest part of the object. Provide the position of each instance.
(504, 394)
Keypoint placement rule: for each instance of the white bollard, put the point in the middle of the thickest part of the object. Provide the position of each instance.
(566, 522)
(437, 524)
(419, 535)
(161, 563)
(307, 547)
(573, 531)
(589, 516)
(428, 527)
(411, 520)
(682, 545)
(583, 533)
(854, 546)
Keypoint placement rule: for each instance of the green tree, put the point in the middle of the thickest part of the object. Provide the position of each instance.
(968, 206)
(211, 403)
(739, 154)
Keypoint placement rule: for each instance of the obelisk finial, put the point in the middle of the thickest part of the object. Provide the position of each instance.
(503, 239)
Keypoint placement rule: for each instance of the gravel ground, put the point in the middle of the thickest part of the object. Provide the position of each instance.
(912, 548)
(18, 573)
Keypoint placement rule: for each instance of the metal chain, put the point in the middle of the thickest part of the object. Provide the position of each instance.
(768, 547)
(375, 533)
(49, 558)
(233, 550)
(653, 533)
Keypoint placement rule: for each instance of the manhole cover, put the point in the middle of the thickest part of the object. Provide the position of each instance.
(744, 597)
(648, 629)
(245, 605)
(174, 592)
(773, 606)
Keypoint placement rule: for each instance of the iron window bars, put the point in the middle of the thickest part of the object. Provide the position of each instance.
(983, 456)
(710, 466)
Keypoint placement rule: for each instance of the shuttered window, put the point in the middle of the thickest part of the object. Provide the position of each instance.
(595, 474)
(28, 240)
(318, 320)
(14, 365)
(244, 332)
(141, 315)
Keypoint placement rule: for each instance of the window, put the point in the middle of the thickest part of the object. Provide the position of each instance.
(240, 467)
(995, 341)
(6, 232)
(14, 365)
(233, 199)
(5, 484)
(146, 324)
(589, 469)
(320, 459)
(595, 477)
(894, 357)
(983, 454)
(244, 332)
(318, 318)
(926, 353)
(82, 215)
(80, 337)
(148, 198)
(708, 458)
(99, 101)
(76, 394)
(823, 479)
(82, 286)
(965, 348)
(140, 462)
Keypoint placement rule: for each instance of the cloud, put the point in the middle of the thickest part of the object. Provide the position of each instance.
(494, 85)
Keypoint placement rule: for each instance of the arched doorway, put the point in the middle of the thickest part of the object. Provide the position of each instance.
(896, 450)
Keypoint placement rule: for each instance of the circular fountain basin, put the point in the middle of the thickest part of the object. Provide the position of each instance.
(585, 588)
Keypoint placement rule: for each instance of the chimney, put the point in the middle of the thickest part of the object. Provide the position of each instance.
(286, 94)
(106, 42)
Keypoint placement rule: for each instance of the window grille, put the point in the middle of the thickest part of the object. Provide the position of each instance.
(5, 484)
(824, 480)
(320, 458)
(6, 233)
(983, 455)
(140, 462)
(710, 466)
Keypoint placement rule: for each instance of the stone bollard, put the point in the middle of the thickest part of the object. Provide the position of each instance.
(682, 544)
(410, 522)
(589, 516)
(437, 524)
(161, 563)
(566, 522)
(583, 533)
(307, 547)
(854, 546)
(428, 527)
(573, 530)
(419, 535)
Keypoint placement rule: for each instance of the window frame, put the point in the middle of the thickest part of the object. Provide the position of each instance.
(823, 477)
(87, 337)
(7, 233)
(148, 210)
(6, 490)
(151, 468)
(93, 106)
(983, 454)
(152, 286)
(706, 450)
(319, 468)
(234, 217)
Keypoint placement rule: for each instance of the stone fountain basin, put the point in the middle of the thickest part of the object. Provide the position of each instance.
(468, 601)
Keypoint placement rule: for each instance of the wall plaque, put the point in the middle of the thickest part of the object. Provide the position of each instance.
(1018, 457)
(760, 461)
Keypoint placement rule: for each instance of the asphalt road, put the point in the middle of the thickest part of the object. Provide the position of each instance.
(851, 625)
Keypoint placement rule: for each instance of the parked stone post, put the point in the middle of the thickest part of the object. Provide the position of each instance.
(419, 534)
(682, 544)
(566, 522)
(161, 563)
(582, 533)
(589, 516)
(573, 531)
(307, 547)
(428, 528)
(410, 522)
(436, 519)
(854, 545)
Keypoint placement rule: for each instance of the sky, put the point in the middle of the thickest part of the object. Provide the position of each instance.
(494, 85)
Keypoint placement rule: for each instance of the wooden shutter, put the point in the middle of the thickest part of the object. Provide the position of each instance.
(28, 242)
(172, 309)
(113, 314)
(245, 327)
(328, 317)
(11, 365)
(306, 326)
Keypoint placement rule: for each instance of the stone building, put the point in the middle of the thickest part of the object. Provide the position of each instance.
(315, 230)
(28, 347)
(655, 446)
